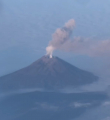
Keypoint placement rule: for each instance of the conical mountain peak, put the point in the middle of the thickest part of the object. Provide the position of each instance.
(47, 73)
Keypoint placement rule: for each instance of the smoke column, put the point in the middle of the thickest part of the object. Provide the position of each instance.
(60, 36)
(83, 46)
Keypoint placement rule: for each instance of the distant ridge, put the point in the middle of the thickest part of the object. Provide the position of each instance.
(47, 73)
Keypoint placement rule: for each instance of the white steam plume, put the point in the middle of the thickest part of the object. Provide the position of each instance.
(60, 36)
(61, 41)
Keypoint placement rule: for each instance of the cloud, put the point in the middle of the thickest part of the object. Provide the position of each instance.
(106, 103)
(107, 118)
(20, 91)
(45, 106)
(78, 105)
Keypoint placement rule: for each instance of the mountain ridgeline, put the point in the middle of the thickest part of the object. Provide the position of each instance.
(47, 73)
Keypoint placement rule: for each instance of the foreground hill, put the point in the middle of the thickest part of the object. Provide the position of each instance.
(49, 105)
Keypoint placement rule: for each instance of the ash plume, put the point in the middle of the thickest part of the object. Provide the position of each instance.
(86, 46)
(60, 36)
(61, 41)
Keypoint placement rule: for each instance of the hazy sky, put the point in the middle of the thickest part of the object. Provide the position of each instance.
(26, 27)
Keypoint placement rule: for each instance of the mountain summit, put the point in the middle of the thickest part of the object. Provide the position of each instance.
(47, 73)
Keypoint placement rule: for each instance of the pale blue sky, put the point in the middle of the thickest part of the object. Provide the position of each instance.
(26, 27)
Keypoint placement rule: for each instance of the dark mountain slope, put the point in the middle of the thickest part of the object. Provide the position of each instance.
(47, 73)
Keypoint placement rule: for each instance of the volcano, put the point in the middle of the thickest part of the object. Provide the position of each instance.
(47, 73)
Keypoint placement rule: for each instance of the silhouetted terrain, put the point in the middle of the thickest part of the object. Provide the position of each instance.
(49, 105)
(47, 73)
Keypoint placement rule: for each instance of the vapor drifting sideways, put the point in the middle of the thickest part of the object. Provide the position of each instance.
(61, 40)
